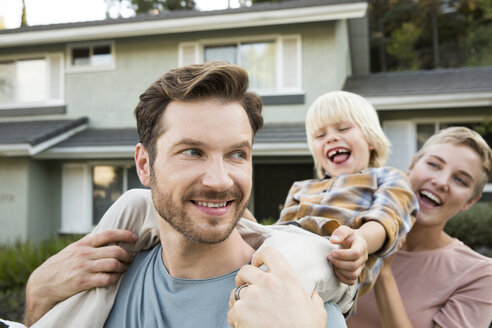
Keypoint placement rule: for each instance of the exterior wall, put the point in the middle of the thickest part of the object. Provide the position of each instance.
(13, 199)
(43, 210)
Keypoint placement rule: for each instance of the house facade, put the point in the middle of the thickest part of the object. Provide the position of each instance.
(67, 94)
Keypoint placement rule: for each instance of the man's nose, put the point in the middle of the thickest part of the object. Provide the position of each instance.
(217, 175)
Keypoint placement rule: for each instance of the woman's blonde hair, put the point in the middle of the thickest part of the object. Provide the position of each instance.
(459, 135)
(341, 106)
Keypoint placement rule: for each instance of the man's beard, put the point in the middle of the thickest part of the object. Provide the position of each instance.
(179, 220)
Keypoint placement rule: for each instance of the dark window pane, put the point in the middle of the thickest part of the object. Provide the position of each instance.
(133, 180)
(102, 50)
(102, 55)
(424, 131)
(107, 186)
(80, 56)
(272, 182)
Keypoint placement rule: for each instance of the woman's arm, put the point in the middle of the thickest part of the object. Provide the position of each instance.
(391, 310)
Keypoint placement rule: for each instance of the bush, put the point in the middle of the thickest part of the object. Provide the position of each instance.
(473, 227)
(17, 261)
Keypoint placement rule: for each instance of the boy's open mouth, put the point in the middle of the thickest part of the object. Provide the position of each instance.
(338, 155)
(429, 198)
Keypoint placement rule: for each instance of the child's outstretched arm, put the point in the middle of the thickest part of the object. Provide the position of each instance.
(356, 245)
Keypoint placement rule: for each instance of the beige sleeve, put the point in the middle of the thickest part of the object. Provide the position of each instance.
(134, 211)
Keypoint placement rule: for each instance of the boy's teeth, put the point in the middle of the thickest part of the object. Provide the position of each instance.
(431, 196)
(338, 151)
(212, 204)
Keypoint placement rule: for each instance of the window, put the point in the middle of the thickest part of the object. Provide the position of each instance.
(273, 63)
(425, 130)
(108, 184)
(87, 57)
(34, 81)
(89, 190)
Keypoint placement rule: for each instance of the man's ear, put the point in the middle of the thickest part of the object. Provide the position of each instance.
(470, 203)
(143, 164)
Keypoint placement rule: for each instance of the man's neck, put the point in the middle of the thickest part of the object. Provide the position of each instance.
(190, 260)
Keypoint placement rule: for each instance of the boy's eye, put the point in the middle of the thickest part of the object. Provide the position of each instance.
(319, 135)
(191, 152)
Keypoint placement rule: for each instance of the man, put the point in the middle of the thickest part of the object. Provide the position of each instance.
(196, 126)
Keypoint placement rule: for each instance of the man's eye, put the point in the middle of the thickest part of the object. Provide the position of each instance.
(239, 155)
(191, 152)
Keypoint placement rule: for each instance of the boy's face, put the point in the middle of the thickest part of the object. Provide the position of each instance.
(444, 180)
(341, 148)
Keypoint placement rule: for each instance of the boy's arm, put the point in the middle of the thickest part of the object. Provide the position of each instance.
(356, 245)
(394, 206)
(87, 263)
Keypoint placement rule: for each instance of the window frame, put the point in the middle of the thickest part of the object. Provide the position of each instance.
(85, 198)
(279, 40)
(70, 68)
(50, 58)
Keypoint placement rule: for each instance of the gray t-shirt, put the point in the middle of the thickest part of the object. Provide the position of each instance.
(149, 297)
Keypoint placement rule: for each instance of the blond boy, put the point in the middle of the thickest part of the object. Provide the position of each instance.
(365, 208)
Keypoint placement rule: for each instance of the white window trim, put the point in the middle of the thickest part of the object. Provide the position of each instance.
(50, 102)
(90, 68)
(277, 38)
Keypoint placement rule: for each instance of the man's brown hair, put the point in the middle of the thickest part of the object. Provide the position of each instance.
(213, 80)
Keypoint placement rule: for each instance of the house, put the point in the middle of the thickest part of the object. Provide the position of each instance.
(67, 94)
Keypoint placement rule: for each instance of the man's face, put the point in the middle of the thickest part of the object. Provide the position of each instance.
(201, 176)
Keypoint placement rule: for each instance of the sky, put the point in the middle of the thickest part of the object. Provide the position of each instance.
(40, 12)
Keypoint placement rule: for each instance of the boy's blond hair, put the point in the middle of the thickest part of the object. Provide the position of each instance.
(339, 106)
(459, 135)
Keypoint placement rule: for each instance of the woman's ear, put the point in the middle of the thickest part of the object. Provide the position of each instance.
(470, 203)
(143, 164)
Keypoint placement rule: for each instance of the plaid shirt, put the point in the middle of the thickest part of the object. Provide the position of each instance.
(375, 194)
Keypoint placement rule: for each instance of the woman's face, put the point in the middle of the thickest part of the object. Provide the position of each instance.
(443, 180)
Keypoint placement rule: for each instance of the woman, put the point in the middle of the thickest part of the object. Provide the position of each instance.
(435, 280)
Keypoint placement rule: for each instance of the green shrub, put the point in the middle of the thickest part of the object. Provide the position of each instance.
(17, 261)
(473, 227)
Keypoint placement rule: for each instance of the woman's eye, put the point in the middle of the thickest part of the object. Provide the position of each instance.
(191, 152)
(431, 164)
(461, 181)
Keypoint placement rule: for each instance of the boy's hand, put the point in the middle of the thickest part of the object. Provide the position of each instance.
(350, 258)
(87, 263)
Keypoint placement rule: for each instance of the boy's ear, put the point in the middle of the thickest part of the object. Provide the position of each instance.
(470, 203)
(142, 163)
